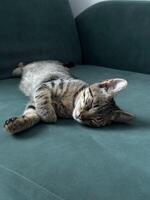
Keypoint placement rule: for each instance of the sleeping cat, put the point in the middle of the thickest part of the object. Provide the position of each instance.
(54, 93)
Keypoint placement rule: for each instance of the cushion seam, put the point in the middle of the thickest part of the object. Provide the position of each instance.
(45, 190)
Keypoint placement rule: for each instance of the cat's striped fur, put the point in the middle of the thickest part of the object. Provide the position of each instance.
(54, 93)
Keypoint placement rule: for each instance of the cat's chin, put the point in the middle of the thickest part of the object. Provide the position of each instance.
(79, 120)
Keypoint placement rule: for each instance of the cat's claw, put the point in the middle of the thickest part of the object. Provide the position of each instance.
(10, 120)
(10, 125)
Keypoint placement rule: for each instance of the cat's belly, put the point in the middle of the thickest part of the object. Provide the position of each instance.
(62, 110)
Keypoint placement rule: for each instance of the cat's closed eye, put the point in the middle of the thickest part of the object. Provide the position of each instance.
(96, 106)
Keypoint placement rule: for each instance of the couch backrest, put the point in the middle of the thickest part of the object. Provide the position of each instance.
(116, 34)
(35, 30)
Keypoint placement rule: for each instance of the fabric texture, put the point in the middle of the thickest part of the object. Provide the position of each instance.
(116, 34)
(68, 161)
(36, 30)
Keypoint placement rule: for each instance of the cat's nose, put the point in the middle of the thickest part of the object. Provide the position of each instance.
(82, 116)
(77, 115)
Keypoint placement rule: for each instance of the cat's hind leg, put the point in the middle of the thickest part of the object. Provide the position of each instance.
(26, 121)
(17, 72)
(43, 104)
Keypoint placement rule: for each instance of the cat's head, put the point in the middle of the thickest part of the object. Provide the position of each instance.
(95, 105)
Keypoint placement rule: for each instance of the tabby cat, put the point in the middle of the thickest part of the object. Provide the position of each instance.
(54, 93)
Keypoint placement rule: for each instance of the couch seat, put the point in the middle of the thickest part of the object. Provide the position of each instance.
(68, 161)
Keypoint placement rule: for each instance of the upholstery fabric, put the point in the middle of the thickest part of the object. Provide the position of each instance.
(36, 30)
(116, 34)
(68, 161)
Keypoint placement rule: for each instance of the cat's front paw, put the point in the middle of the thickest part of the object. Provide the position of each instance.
(12, 125)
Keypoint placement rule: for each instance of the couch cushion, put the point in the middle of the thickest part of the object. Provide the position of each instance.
(69, 161)
(116, 34)
(36, 30)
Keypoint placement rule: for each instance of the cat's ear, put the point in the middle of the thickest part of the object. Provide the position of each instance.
(113, 86)
(122, 117)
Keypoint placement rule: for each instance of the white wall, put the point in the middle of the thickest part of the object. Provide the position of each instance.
(79, 5)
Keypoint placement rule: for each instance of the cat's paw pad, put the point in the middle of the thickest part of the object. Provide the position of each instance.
(12, 125)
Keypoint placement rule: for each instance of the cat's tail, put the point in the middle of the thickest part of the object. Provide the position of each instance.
(17, 72)
(69, 64)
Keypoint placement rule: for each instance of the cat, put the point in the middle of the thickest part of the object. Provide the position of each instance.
(53, 93)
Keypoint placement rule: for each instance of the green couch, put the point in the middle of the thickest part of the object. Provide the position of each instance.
(67, 161)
